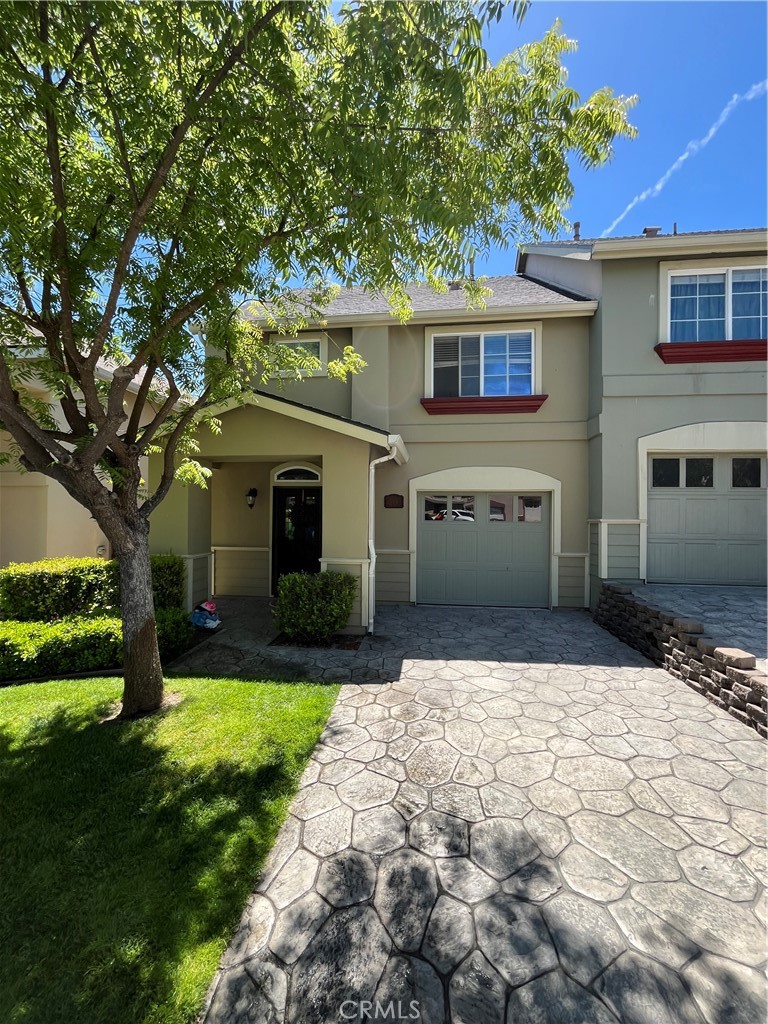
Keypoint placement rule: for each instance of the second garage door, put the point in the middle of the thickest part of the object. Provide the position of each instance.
(707, 519)
(484, 549)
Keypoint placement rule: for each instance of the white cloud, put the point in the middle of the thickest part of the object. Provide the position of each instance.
(693, 147)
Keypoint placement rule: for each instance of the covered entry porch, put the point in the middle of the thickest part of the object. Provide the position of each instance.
(288, 491)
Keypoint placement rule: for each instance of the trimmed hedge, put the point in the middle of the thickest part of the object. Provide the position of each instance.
(84, 644)
(58, 587)
(314, 606)
(29, 649)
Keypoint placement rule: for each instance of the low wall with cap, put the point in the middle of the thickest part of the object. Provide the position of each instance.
(725, 675)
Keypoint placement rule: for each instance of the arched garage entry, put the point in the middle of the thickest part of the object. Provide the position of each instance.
(493, 542)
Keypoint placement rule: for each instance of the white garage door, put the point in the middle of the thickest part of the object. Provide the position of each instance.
(707, 518)
(484, 549)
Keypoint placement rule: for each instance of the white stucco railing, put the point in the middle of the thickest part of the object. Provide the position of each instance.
(194, 591)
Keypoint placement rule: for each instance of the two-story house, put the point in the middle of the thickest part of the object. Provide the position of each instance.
(453, 470)
(602, 417)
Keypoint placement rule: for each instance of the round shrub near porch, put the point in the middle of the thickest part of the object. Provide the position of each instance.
(313, 606)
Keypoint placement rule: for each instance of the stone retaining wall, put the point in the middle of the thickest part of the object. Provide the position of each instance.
(726, 676)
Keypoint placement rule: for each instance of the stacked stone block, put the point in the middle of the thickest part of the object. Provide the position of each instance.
(726, 676)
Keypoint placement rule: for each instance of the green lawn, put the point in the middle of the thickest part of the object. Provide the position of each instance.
(127, 851)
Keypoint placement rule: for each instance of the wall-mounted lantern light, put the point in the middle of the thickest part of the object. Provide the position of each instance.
(250, 497)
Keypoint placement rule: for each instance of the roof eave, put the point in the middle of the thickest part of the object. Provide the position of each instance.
(430, 316)
(682, 245)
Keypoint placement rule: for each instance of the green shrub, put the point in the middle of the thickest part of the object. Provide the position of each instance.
(57, 587)
(29, 649)
(47, 590)
(174, 632)
(314, 606)
(85, 644)
(169, 577)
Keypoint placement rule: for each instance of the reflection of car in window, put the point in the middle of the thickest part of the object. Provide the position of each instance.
(456, 514)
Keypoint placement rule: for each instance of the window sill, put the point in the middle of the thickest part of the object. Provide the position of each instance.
(711, 351)
(505, 403)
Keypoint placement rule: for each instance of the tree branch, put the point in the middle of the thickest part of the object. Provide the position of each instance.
(134, 421)
(117, 127)
(169, 456)
(26, 296)
(21, 317)
(162, 169)
(12, 411)
(88, 35)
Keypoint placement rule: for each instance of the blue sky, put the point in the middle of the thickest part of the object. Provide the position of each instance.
(685, 61)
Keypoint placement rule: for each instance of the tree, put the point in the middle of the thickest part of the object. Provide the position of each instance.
(161, 163)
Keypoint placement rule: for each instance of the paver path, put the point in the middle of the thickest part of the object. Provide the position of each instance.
(555, 832)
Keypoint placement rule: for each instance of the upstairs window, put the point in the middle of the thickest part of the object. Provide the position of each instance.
(315, 347)
(724, 305)
(482, 365)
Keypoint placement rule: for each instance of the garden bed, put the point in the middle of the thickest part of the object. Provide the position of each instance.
(339, 642)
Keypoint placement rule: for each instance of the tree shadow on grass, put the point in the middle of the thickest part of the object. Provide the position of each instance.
(120, 863)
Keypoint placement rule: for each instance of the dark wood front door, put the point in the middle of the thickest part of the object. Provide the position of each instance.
(297, 522)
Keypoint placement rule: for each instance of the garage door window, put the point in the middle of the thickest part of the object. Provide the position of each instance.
(699, 473)
(501, 508)
(745, 472)
(463, 508)
(529, 509)
(665, 472)
(435, 507)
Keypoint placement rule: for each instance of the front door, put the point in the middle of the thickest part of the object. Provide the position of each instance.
(296, 531)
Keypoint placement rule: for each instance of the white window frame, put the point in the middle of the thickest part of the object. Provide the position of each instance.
(302, 340)
(480, 330)
(681, 268)
(285, 466)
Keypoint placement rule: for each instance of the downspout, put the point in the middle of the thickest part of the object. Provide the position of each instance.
(371, 529)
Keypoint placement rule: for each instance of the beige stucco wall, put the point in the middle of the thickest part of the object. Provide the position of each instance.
(23, 516)
(370, 388)
(565, 460)
(232, 522)
(551, 441)
(564, 354)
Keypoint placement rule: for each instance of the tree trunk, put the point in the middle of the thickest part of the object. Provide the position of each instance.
(143, 689)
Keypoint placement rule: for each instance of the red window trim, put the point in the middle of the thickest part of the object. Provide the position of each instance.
(496, 404)
(711, 351)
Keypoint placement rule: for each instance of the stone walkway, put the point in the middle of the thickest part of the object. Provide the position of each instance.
(529, 825)
(737, 616)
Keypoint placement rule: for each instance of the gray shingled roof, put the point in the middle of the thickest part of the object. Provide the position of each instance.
(507, 291)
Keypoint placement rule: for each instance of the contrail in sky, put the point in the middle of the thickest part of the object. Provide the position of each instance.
(693, 147)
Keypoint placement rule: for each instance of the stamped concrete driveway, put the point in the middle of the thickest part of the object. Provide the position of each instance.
(554, 831)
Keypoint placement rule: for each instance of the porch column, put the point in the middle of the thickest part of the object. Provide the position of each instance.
(345, 518)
